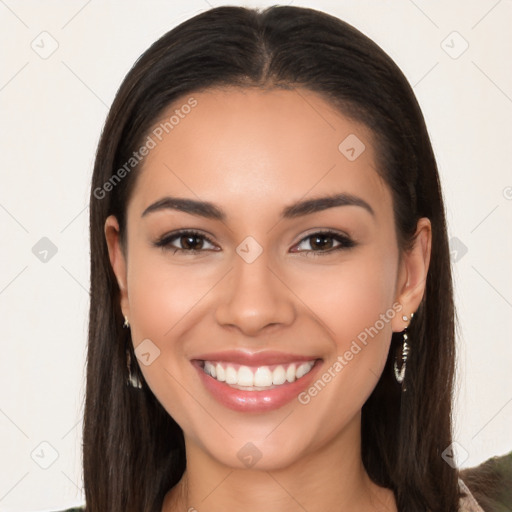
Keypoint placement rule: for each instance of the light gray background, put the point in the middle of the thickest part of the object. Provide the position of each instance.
(53, 109)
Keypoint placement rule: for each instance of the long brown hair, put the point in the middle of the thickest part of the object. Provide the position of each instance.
(133, 451)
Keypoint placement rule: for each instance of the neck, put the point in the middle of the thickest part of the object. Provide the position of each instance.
(330, 478)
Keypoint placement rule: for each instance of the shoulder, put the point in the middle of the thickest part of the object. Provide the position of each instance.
(467, 502)
(490, 484)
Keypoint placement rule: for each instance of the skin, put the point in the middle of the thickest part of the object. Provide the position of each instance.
(252, 152)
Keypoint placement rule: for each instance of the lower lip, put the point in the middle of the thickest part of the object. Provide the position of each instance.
(256, 401)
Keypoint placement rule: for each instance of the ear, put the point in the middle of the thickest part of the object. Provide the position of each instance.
(117, 260)
(412, 274)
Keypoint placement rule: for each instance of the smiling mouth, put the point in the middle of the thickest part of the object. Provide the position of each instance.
(256, 378)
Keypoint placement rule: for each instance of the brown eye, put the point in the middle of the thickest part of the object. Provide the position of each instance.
(321, 242)
(185, 241)
(193, 242)
(325, 242)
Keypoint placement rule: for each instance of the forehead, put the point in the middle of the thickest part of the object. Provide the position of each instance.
(255, 149)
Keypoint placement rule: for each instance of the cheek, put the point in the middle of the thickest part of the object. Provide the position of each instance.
(166, 300)
(350, 298)
(160, 294)
(162, 302)
(356, 303)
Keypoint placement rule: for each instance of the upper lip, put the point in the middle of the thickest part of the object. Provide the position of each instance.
(262, 358)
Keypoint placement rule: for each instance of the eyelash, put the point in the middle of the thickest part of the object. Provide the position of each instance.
(165, 242)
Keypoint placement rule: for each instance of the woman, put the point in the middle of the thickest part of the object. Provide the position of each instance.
(272, 318)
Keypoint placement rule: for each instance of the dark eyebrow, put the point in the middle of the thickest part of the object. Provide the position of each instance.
(201, 208)
(211, 211)
(323, 203)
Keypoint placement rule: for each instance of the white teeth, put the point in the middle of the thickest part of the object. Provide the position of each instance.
(262, 377)
(290, 373)
(278, 376)
(245, 376)
(209, 368)
(303, 369)
(219, 370)
(231, 375)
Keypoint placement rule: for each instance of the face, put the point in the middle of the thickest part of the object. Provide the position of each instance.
(262, 277)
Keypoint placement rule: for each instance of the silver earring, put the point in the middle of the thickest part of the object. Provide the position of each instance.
(133, 379)
(400, 372)
(126, 323)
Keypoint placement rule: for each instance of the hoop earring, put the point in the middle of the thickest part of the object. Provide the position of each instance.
(400, 371)
(126, 323)
(133, 379)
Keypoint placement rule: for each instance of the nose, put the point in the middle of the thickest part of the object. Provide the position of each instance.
(255, 298)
